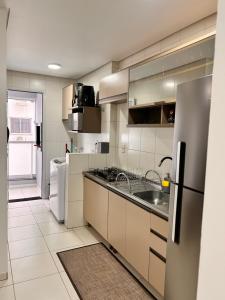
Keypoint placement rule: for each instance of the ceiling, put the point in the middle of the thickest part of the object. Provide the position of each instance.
(82, 35)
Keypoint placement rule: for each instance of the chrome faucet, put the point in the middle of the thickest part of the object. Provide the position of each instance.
(127, 178)
(155, 172)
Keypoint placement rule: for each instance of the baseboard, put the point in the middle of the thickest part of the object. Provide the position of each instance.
(3, 276)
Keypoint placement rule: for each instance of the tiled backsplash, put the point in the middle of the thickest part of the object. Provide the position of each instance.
(140, 149)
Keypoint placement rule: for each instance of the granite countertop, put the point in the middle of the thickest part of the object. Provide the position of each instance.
(121, 188)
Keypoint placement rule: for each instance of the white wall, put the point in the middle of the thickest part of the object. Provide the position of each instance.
(55, 135)
(212, 260)
(3, 150)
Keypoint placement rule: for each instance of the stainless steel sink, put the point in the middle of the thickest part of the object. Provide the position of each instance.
(153, 197)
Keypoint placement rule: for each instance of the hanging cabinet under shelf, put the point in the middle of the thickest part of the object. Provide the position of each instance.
(153, 115)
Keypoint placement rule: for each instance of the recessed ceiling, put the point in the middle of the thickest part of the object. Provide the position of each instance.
(82, 35)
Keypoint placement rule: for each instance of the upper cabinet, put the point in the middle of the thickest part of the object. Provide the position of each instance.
(67, 97)
(114, 88)
(153, 84)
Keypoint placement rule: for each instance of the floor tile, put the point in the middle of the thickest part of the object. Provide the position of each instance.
(8, 281)
(36, 202)
(32, 267)
(27, 247)
(21, 221)
(44, 217)
(70, 289)
(18, 204)
(86, 235)
(16, 212)
(62, 240)
(47, 288)
(52, 227)
(57, 261)
(39, 209)
(7, 293)
(22, 233)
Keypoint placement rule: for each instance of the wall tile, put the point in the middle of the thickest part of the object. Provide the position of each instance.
(97, 160)
(148, 138)
(78, 163)
(147, 161)
(164, 141)
(75, 214)
(122, 134)
(134, 139)
(75, 187)
(121, 158)
(133, 161)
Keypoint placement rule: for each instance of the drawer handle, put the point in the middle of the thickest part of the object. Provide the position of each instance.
(158, 235)
(157, 254)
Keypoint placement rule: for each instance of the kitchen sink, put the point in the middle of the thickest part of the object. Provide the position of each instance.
(153, 197)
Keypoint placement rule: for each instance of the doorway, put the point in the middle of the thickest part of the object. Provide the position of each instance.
(24, 116)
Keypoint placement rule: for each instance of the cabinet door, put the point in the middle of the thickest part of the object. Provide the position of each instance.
(137, 238)
(157, 270)
(67, 96)
(114, 85)
(116, 222)
(96, 206)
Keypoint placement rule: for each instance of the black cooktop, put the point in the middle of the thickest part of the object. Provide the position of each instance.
(110, 174)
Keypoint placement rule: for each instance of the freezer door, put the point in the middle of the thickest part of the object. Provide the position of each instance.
(191, 128)
(183, 257)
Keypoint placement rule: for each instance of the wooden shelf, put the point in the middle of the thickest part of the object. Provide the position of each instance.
(157, 103)
(154, 115)
(169, 125)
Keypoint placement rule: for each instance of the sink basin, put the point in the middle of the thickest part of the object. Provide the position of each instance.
(153, 197)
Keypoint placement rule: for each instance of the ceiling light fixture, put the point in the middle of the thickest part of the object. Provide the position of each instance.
(54, 66)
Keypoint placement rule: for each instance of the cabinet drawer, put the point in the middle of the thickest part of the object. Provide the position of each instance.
(157, 270)
(159, 225)
(158, 244)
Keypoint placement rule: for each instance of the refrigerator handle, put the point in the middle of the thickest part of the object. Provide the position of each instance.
(178, 194)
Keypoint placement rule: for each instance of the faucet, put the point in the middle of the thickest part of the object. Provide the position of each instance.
(163, 159)
(155, 172)
(127, 178)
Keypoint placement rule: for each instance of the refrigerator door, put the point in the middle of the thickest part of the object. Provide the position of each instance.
(183, 257)
(191, 128)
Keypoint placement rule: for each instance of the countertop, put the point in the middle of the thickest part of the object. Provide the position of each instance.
(122, 190)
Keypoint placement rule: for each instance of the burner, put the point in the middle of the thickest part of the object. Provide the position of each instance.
(110, 174)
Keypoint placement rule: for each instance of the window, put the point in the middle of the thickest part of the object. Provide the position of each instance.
(20, 125)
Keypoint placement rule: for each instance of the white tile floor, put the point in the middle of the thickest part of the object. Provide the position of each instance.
(23, 191)
(35, 237)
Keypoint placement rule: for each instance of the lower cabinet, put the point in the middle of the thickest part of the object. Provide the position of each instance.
(137, 238)
(116, 222)
(96, 206)
(138, 235)
(157, 270)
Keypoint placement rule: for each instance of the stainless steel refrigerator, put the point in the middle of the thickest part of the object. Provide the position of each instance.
(187, 190)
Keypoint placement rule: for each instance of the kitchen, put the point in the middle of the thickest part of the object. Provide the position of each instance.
(137, 160)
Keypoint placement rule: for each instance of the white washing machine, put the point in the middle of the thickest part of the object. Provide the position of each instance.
(57, 187)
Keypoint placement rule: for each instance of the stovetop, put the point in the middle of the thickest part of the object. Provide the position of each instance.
(110, 174)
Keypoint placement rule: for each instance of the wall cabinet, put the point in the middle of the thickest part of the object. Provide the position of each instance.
(114, 87)
(67, 97)
(96, 206)
(137, 238)
(116, 222)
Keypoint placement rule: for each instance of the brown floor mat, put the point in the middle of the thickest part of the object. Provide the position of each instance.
(97, 275)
